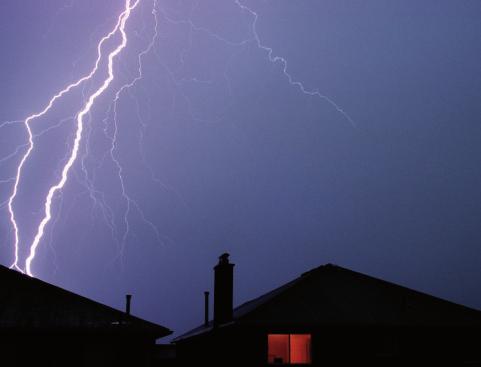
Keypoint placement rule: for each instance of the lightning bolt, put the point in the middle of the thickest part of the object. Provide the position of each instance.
(255, 38)
(82, 120)
(130, 202)
(279, 59)
(119, 26)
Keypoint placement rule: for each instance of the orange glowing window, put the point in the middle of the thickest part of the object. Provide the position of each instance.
(278, 348)
(289, 348)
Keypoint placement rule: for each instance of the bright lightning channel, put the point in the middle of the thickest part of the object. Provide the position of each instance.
(129, 201)
(130, 5)
(120, 26)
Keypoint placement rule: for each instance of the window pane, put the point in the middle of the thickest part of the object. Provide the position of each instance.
(300, 348)
(278, 348)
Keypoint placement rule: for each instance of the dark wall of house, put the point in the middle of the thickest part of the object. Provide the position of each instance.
(228, 346)
(76, 349)
(338, 346)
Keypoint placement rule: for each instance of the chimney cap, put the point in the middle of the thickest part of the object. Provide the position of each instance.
(224, 258)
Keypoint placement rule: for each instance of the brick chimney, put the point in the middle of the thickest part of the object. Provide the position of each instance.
(223, 290)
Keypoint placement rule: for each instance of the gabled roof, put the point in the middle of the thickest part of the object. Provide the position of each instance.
(332, 295)
(29, 304)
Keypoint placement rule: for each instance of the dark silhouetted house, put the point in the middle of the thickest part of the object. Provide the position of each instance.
(44, 325)
(332, 316)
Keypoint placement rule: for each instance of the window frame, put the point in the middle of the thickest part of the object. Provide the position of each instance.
(289, 353)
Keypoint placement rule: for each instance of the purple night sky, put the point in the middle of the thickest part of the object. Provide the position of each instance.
(217, 150)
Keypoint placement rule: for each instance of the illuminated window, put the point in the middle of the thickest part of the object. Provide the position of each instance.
(278, 348)
(300, 348)
(289, 348)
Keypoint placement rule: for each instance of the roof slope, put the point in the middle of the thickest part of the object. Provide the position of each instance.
(30, 304)
(332, 295)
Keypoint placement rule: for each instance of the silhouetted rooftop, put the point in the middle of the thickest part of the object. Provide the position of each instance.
(332, 295)
(29, 304)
